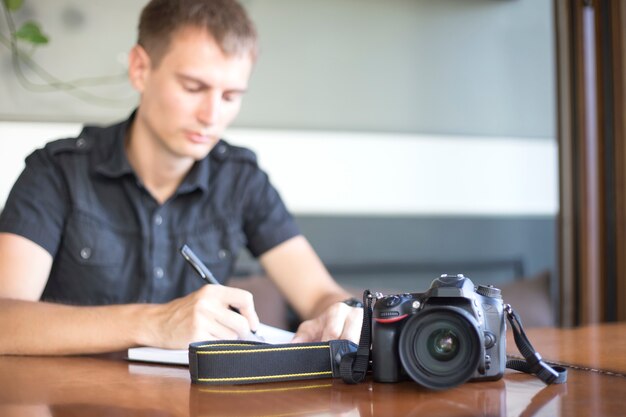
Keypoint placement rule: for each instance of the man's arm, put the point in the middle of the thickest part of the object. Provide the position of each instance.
(33, 327)
(313, 293)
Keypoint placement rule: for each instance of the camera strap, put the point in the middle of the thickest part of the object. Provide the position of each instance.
(533, 363)
(354, 366)
(232, 362)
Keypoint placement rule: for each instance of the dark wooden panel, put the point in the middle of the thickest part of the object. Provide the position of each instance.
(592, 155)
(619, 68)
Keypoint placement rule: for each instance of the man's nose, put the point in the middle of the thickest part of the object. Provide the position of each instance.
(209, 109)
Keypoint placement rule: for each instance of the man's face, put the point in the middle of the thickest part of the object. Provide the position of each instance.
(193, 94)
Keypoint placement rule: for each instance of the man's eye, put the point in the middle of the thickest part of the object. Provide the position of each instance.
(192, 88)
(231, 97)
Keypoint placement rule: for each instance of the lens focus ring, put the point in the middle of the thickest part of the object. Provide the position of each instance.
(441, 347)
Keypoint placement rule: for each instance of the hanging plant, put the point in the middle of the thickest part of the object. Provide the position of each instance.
(30, 32)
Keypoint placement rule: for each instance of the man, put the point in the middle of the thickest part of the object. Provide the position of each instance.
(90, 233)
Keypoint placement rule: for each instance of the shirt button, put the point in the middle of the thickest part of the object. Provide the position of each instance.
(81, 142)
(85, 253)
(221, 149)
(158, 272)
(158, 220)
(222, 253)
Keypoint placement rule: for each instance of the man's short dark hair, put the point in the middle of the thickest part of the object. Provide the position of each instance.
(225, 20)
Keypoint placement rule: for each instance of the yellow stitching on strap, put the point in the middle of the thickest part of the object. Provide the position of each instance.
(257, 378)
(219, 352)
(257, 391)
(226, 344)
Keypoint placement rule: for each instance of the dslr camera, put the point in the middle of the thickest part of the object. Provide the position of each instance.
(452, 333)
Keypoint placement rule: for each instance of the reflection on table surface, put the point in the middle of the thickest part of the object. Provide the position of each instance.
(108, 385)
(600, 346)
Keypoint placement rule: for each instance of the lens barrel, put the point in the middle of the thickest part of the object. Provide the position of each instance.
(441, 347)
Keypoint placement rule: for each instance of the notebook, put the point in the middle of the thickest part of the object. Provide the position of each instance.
(268, 334)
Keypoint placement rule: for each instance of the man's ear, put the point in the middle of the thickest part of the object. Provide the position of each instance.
(139, 66)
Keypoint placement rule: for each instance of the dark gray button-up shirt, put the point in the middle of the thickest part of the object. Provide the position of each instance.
(112, 242)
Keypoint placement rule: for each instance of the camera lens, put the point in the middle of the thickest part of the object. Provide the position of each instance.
(443, 344)
(440, 347)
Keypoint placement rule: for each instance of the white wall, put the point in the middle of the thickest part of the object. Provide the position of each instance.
(357, 173)
(471, 83)
(466, 67)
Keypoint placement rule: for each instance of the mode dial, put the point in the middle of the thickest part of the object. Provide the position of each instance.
(489, 291)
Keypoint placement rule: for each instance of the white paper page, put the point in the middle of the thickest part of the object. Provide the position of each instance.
(274, 335)
(267, 334)
(152, 354)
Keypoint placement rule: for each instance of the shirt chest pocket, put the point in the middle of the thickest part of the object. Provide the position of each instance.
(217, 246)
(89, 242)
(93, 263)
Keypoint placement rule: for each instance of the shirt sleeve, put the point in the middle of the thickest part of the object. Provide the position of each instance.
(37, 204)
(267, 222)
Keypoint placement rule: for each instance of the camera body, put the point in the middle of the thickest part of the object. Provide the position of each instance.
(441, 338)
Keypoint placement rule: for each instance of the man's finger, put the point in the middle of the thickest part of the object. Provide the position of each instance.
(214, 331)
(305, 333)
(353, 325)
(243, 302)
(236, 323)
(334, 322)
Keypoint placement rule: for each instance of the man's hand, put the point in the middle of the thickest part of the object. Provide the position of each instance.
(202, 315)
(304, 281)
(339, 321)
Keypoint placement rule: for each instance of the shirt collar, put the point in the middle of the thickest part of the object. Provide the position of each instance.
(112, 160)
(196, 178)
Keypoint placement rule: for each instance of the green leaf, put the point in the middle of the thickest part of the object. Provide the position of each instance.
(30, 32)
(13, 5)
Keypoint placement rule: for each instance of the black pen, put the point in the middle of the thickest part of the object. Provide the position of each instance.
(198, 265)
(203, 271)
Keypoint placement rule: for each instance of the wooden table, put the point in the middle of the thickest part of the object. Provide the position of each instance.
(596, 348)
(107, 385)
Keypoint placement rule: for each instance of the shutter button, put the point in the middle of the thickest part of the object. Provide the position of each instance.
(85, 253)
